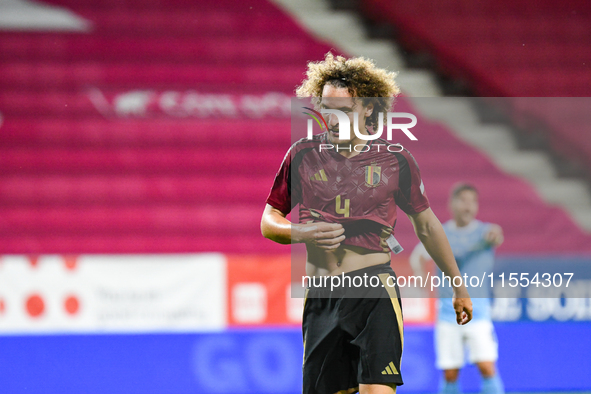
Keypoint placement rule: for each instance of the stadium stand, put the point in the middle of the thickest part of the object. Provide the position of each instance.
(508, 49)
(131, 129)
(95, 160)
(564, 122)
(161, 128)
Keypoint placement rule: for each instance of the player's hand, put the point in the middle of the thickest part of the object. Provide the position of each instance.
(326, 236)
(463, 308)
(494, 236)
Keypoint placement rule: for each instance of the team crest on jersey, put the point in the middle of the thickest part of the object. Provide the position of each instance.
(373, 175)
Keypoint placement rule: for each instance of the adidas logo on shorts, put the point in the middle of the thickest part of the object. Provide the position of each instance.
(390, 369)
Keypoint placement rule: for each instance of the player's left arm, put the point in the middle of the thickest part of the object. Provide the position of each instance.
(430, 231)
(411, 198)
(494, 236)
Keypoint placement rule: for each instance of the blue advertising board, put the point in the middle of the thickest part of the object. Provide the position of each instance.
(547, 356)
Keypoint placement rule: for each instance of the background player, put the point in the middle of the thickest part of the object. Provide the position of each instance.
(350, 343)
(473, 243)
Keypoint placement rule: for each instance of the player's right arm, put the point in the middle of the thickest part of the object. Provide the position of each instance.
(283, 196)
(276, 227)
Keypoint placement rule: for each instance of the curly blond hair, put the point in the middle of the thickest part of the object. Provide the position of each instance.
(359, 76)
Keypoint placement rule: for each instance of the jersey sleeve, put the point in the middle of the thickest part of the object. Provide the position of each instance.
(280, 196)
(410, 196)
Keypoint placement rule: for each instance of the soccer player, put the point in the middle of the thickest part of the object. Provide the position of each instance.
(473, 243)
(347, 214)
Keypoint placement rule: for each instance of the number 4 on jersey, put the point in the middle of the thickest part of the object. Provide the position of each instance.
(344, 210)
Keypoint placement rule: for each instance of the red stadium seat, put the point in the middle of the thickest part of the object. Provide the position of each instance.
(507, 48)
(77, 176)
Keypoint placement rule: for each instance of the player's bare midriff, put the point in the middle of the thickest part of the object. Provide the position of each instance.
(345, 258)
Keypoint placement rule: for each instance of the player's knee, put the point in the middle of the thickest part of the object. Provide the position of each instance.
(451, 375)
(487, 369)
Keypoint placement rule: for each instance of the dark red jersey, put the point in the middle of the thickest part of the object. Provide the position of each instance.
(360, 192)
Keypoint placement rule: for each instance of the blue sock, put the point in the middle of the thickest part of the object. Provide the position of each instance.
(446, 387)
(492, 385)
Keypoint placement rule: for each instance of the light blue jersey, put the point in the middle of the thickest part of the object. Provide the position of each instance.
(474, 256)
